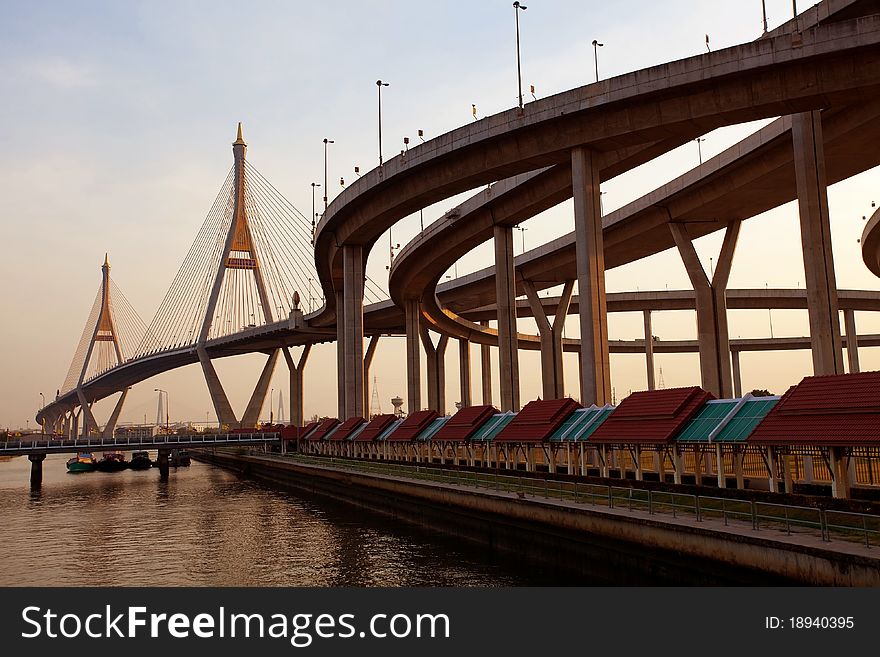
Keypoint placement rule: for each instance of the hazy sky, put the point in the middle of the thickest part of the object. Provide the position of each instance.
(116, 128)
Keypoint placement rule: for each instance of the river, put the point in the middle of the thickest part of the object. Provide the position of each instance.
(205, 526)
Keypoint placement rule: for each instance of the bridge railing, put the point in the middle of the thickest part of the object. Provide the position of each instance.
(761, 516)
(171, 440)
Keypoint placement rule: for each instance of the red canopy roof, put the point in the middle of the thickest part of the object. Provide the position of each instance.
(841, 409)
(324, 428)
(537, 421)
(375, 428)
(465, 423)
(651, 416)
(413, 425)
(347, 428)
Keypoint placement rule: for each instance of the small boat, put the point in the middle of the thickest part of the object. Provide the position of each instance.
(112, 462)
(179, 458)
(84, 462)
(140, 461)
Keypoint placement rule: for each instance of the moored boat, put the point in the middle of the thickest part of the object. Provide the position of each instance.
(179, 458)
(140, 461)
(112, 462)
(84, 462)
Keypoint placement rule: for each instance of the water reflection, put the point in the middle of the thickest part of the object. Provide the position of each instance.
(206, 526)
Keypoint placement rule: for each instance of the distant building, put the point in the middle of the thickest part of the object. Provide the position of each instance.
(137, 431)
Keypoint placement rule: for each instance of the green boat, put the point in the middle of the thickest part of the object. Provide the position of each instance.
(84, 462)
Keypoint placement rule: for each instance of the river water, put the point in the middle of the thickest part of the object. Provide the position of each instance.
(207, 526)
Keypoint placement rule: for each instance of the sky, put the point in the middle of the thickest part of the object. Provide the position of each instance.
(116, 131)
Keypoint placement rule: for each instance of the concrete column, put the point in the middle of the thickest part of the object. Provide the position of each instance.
(162, 461)
(809, 166)
(110, 427)
(737, 374)
(595, 364)
(649, 350)
(340, 355)
(464, 372)
(505, 297)
(353, 292)
(711, 308)
(552, 373)
(436, 370)
(840, 482)
(36, 469)
(677, 464)
(486, 371)
(297, 371)
(368, 361)
(251, 415)
(786, 463)
(413, 358)
(771, 467)
(852, 340)
(738, 457)
(222, 407)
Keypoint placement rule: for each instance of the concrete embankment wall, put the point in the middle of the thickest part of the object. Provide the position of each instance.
(603, 544)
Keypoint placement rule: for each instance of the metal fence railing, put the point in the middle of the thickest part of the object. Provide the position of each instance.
(760, 516)
(126, 443)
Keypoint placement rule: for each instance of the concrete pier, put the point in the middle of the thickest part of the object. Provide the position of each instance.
(36, 469)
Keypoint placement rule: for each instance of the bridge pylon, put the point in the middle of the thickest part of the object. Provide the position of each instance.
(239, 253)
(103, 345)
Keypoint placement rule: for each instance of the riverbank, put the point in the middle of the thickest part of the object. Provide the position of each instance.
(619, 545)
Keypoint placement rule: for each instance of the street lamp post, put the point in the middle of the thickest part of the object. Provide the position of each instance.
(516, 7)
(764, 8)
(160, 391)
(271, 403)
(326, 141)
(315, 214)
(699, 141)
(596, 46)
(379, 85)
(42, 406)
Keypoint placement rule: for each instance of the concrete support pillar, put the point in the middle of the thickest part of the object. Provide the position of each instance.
(75, 427)
(660, 460)
(505, 296)
(90, 425)
(786, 461)
(340, 354)
(552, 373)
(486, 371)
(110, 427)
(638, 463)
(251, 416)
(436, 362)
(649, 350)
(808, 470)
(162, 461)
(368, 361)
(809, 166)
(36, 469)
(222, 407)
(840, 481)
(464, 372)
(353, 293)
(677, 464)
(719, 467)
(297, 372)
(595, 364)
(852, 340)
(711, 307)
(771, 468)
(737, 375)
(738, 457)
(413, 358)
